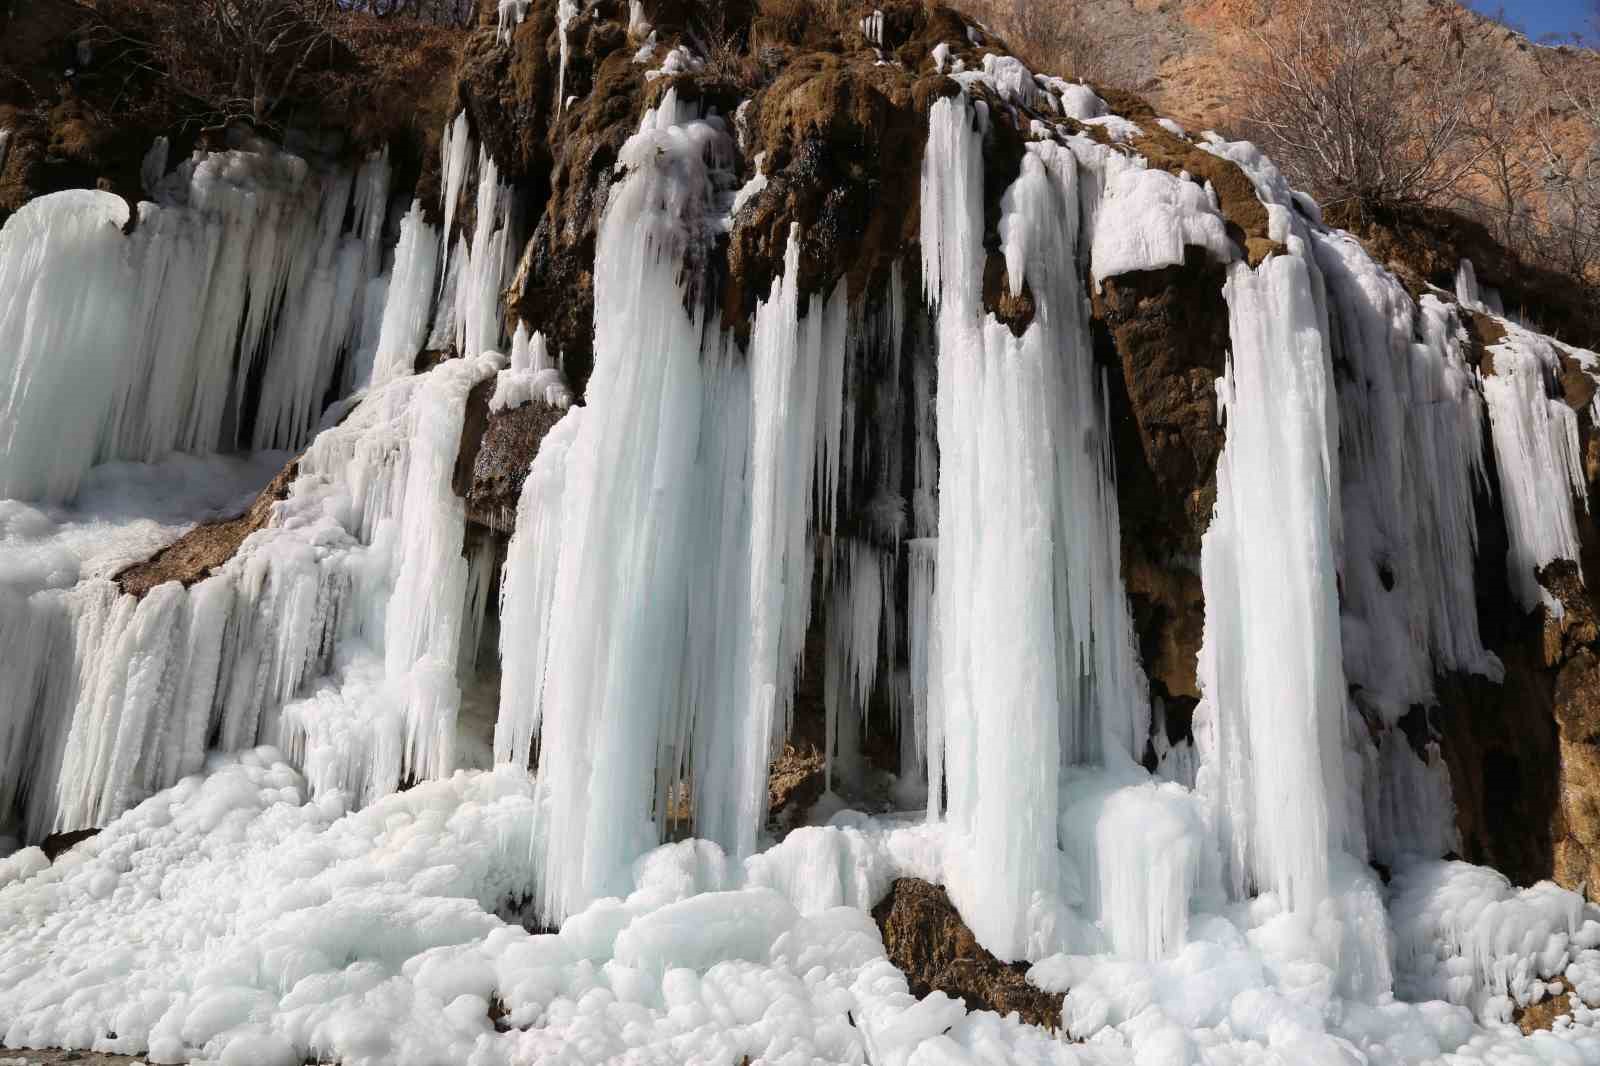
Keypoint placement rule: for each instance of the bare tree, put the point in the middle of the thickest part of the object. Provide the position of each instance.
(1506, 160)
(1353, 116)
(1568, 137)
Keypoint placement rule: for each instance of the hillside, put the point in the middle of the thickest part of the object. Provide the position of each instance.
(770, 532)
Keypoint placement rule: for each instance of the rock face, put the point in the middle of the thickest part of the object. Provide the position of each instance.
(196, 554)
(925, 936)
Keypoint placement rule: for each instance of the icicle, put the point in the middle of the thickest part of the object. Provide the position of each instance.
(566, 14)
(1271, 721)
(1032, 649)
(1538, 457)
(456, 151)
(1411, 432)
(872, 28)
(410, 300)
(860, 625)
(510, 14)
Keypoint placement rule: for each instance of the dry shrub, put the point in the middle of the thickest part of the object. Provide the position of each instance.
(1351, 114)
(800, 22)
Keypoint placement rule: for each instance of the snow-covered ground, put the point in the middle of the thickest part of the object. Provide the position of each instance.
(233, 919)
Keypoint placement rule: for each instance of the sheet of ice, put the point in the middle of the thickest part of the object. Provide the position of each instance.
(1271, 723)
(131, 347)
(1537, 455)
(1411, 461)
(1032, 662)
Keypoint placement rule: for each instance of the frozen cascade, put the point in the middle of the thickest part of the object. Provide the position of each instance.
(1271, 723)
(410, 304)
(1032, 649)
(1537, 453)
(688, 714)
(128, 694)
(636, 507)
(244, 265)
(1411, 447)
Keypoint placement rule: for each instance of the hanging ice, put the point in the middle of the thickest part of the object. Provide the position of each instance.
(1537, 454)
(356, 590)
(1271, 721)
(1411, 447)
(409, 307)
(1032, 662)
(682, 574)
(136, 346)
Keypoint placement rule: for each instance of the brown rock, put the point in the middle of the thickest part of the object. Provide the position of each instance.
(497, 448)
(198, 553)
(925, 936)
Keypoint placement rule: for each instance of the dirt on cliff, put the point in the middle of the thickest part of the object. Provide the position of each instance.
(925, 937)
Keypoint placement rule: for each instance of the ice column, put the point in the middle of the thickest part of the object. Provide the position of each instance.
(637, 505)
(1411, 447)
(1537, 453)
(1271, 721)
(244, 274)
(1032, 661)
(669, 525)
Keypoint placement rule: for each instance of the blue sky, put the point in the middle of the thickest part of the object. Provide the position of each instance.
(1539, 17)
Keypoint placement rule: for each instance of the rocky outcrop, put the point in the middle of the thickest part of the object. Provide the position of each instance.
(497, 447)
(924, 935)
(198, 553)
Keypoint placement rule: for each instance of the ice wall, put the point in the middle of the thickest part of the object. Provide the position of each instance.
(1537, 453)
(1032, 662)
(1271, 724)
(668, 525)
(1412, 433)
(219, 322)
(336, 629)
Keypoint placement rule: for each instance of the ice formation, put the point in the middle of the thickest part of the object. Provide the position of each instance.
(531, 375)
(132, 347)
(923, 490)
(1536, 448)
(1032, 650)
